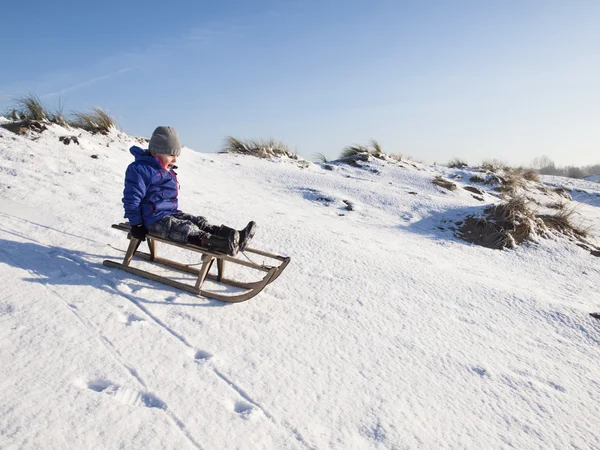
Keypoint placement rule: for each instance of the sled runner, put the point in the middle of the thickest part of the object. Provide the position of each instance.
(208, 258)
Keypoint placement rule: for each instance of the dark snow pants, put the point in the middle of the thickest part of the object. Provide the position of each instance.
(179, 227)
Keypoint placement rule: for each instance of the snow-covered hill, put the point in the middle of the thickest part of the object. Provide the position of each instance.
(594, 178)
(385, 331)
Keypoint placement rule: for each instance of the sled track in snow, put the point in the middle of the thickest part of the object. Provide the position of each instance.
(111, 349)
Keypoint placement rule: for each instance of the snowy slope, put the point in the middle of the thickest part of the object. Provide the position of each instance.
(385, 331)
(594, 178)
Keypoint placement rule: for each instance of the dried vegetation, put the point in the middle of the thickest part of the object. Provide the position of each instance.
(29, 113)
(261, 148)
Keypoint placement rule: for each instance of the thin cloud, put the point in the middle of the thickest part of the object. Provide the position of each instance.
(87, 83)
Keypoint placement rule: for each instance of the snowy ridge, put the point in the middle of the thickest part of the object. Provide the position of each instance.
(385, 331)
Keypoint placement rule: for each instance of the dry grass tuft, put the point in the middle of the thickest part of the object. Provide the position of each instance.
(30, 107)
(354, 154)
(563, 193)
(493, 165)
(373, 149)
(354, 150)
(442, 182)
(399, 157)
(513, 222)
(320, 157)
(503, 226)
(96, 121)
(457, 163)
(477, 179)
(512, 182)
(564, 222)
(57, 116)
(557, 205)
(532, 175)
(259, 148)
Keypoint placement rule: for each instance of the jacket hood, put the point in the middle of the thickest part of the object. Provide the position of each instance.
(142, 155)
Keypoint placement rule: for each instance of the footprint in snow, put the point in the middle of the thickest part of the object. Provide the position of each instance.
(202, 356)
(125, 395)
(6, 309)
(243, 409)
(479, 371)
(128, 319)
(558, 387)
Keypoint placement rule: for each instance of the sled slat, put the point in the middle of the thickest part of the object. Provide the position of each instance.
(193, 270)
(267, 254)
(186, 287)
(151, 276)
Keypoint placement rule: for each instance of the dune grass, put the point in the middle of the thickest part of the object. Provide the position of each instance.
(30, 107)
(503, 226)
(457, 163)
(260, 148)
(95, 121)
(320, 157)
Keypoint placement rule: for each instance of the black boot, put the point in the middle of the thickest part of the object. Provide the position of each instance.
(222, 242)
(232, 237)
(246, 235)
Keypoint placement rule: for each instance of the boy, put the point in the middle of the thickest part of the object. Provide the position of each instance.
(150, 200)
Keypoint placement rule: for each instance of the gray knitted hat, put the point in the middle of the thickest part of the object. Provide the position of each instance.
(165, 141)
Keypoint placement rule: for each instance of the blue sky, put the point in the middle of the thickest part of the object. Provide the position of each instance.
(434, 80)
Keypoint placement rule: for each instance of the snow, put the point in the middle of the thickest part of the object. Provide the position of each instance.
(385, 331)
(594, 178)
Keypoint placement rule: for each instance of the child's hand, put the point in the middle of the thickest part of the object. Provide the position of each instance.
(139, 232)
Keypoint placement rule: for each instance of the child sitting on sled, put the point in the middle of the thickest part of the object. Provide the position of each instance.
(150, 200)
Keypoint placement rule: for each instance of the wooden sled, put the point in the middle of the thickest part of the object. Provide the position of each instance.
(252, 288)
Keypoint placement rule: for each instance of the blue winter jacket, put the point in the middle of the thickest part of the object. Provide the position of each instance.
(150, 190)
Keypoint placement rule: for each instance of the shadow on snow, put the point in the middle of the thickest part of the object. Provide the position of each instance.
(59, 266)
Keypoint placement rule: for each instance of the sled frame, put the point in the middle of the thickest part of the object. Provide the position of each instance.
(208, 258)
